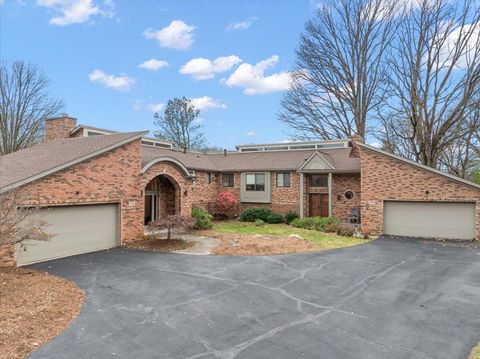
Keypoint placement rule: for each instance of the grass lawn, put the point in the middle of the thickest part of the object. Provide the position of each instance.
(243, 238)
(324, 240)
(475, 354)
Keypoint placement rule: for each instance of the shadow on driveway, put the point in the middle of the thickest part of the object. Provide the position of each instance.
(385, 299)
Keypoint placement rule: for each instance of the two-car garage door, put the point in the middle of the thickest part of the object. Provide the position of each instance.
(430, 219)
(76, 230)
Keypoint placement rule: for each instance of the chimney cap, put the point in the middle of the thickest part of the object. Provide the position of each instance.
(62, 116)
(355, 138)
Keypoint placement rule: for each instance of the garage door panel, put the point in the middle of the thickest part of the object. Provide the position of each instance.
(430, 219)
(75, 230)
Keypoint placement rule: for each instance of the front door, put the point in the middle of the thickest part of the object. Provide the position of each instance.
(318, 204)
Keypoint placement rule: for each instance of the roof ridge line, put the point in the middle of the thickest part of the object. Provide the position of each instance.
(134, 136)
(419, 165)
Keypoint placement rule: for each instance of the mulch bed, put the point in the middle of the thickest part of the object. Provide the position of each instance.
(256, 245)
(153, 243)
(34, 308)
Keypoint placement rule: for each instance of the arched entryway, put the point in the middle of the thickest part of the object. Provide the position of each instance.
(162, 198)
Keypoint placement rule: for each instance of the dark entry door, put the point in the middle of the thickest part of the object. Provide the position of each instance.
(148, 208)
(318, 204)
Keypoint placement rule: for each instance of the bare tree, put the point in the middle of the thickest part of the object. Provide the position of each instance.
(177, 125)
(16, 221)
(340, 75)
(462, 157)
(24, 105)
(435, 78)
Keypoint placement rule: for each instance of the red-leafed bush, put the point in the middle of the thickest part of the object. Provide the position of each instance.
(227, 205)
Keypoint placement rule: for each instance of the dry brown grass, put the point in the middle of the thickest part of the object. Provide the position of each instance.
(245, 238)
(158, 244)
(34, 308)
(251, 245)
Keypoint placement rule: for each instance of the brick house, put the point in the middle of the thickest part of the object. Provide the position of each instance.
(99, 188)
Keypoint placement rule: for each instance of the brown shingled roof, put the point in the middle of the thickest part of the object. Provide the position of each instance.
(191, 160)
(253, 161)
(27, 165)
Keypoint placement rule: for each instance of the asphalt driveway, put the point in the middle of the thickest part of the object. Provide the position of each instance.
(386, 299)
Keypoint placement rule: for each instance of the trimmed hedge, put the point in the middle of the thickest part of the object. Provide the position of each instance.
(274, 218)
(264, 214)
(203, 219)
(252, 214)
(324, 224)
(290, 216)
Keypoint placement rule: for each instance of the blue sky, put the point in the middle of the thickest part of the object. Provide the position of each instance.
(92, 51)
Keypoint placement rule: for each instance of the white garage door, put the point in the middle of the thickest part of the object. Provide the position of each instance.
(76, 229)
(430, 220)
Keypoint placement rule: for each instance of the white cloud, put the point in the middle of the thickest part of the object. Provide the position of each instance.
(203, 69)
(153, 64)
(252, 78)
(251, 133)
(242, 25)
(178, 35)
(120, 83)
(155, 107)
(449, 48)
(69, 12)
(206, 103)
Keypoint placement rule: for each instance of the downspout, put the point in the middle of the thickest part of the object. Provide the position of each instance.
(330, 179)
(301, 194)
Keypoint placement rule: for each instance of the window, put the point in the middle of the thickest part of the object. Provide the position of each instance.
(349, 195)
(319, 181)
(228, 179)
(283, 179)
(209, 178)
(255, 182)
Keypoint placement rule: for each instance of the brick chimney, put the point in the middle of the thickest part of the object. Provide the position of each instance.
(59, 127)
(354, 152)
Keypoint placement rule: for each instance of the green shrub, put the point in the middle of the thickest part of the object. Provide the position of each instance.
(252, 214)
(306, 223)
(274, 218)
(203, 219)
(331, 228)
(324, 224)
(258, 223)
(290, 216)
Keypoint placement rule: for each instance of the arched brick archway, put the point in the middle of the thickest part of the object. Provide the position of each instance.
(162, 198)
(174, 173)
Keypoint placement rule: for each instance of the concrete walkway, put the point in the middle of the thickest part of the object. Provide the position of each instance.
(202, 245)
